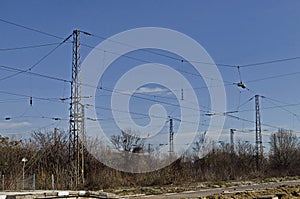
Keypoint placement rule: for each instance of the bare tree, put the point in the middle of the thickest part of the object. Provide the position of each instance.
(198, 145)
(283, 151)
(128, 141)
(51, 157)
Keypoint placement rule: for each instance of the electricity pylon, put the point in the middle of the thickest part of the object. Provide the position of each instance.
(258, 135)
(76, 128)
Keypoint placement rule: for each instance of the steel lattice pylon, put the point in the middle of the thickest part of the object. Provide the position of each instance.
(258, 135)
(171, 137)
(76, 128)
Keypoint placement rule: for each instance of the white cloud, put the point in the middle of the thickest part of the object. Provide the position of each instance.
(6, 125)
(148, 90)
(152, 90)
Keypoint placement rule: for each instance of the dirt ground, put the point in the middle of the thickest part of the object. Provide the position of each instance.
(264, 189)
(283, 192)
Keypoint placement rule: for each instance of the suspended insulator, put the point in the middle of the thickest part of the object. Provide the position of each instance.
(30, 101)
(210, 114)
(240, 84)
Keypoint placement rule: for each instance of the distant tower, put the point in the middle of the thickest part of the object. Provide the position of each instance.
(232, 140)
(182, 94)
(171, 137)
(258, 135)
(76, 128)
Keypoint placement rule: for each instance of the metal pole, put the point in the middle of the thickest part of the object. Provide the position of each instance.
(52, 178)
(34, 182)
(23, 175)
(2, 183)
(82, 141)
(24, 160)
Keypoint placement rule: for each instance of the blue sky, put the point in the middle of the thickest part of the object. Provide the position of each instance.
(232, 32)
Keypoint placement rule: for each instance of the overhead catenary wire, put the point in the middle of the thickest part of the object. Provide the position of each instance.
(37, 117)
(140, 114)
(271, 107)
(101, 88)
(244, 103)
(61, 100)
(37, 62)
(261, 63)
(68, 81)
(27, 47)
(106, 38)
(148, 99)
(106, 89)
(194, 61)
(137, 59)
(235, 117)
(32, 130)
(29, 28)
(282, 108)
(12, 100)
(239, 84)
(9, 68)
(273, 77)
(49, 99)
(271, 61)
(251, 121)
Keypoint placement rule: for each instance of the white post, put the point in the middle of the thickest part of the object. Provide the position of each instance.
(24, 160)
(34, 182)
(52, 178)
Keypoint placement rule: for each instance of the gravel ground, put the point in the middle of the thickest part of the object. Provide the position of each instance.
(281, 189)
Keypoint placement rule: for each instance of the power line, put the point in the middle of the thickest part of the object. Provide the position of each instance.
(244, 103)
(152, 100)
(167, 56)
(101, 88)
(272, 101)
(146, 61)
(38, 62)
(28, 47)
(37, 129)
(160, 54)
(271, 107)
(247, 65)
(253, 122)
(61, 100)
(36, 117)
(270, 62)
(273, 77)
(15, 100)
(140, 114)
(9, 68)
(194, 61)
(29, 28)
(195, 74)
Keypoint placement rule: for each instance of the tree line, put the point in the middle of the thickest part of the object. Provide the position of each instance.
(48, 154)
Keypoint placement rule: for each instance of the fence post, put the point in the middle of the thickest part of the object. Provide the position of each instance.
(52, 177)
(2, 183)
(34, 182)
